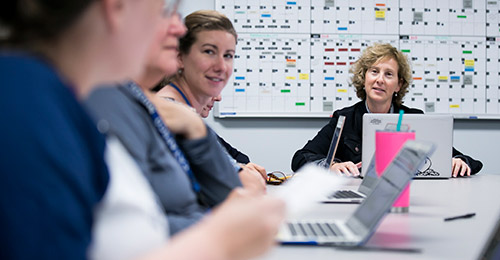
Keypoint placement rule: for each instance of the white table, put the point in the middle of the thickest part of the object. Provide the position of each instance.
(423, 227)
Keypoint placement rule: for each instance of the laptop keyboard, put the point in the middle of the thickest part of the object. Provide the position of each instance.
(345, 194)
(315, 229)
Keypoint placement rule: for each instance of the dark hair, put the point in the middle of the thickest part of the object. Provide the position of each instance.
(204, 20)
(25, 23)
(374, 54)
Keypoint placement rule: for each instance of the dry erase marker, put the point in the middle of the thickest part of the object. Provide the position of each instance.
(470, 215)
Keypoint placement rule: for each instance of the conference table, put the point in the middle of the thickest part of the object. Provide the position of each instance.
(423, 228)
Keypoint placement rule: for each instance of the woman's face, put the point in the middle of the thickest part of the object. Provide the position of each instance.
(205, 111)
(381, 81)
(162, 55)
(135, 24)
(209, 63)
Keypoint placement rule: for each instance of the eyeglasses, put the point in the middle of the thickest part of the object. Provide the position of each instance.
(277, 178)
(170, 8)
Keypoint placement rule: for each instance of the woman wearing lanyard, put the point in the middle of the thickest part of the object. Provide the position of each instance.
(186, 167)
(205, 58)
(381, 77)
(53, 53)
(54, 174)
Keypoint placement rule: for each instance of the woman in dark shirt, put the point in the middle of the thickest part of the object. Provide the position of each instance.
(206, 55)
(381, 77)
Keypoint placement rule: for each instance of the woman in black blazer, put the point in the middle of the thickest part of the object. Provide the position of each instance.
(381, 77)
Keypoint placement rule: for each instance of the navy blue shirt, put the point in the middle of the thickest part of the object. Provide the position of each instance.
(52, 171)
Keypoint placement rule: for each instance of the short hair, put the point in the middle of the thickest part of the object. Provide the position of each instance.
(204, 20)
(25, 23)
(376, 53)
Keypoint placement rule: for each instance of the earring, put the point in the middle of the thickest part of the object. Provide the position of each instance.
(179, 71)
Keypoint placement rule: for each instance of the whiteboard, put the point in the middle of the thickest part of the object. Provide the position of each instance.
(293, 57)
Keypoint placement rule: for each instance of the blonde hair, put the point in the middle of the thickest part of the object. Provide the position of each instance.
(374, 54)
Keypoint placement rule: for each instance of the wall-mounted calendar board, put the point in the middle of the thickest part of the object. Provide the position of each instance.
(292, 57)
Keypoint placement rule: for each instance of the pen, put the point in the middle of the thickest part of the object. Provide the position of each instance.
(470, 215)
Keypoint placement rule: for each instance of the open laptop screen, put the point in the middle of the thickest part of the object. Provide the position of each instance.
(370, 179)
(394, 179)
(335, 142)
(434, 128)
(491, 249)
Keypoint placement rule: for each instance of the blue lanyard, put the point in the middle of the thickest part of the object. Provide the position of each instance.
(231, 159)
(182, 94)
(164, 132)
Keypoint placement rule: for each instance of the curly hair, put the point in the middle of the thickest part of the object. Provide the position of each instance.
(374, 54)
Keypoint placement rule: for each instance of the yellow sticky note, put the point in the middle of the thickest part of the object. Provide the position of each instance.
(290, 78)
(342, 90)
(304, 76)
(443, 78)
(454, 106)
(469, 63)
(380, 14)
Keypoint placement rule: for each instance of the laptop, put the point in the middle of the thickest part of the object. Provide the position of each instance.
(437, 129)
(491, 249)
(330, 156)
(361, 225)
(356, 196)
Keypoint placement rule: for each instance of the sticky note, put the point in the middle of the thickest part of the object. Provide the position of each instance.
(380, 14)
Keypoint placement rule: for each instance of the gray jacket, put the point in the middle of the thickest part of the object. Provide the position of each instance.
(117, 111)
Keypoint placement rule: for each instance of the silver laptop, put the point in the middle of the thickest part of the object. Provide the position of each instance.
(491, 249)
(330, 156)
(358, 228)
(437, 129)
(356, 196)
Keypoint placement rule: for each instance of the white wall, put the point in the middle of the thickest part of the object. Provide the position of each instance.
(272, 142)
(189, 6)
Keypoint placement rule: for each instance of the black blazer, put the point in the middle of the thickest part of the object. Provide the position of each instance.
(237, 155)
(349, 148)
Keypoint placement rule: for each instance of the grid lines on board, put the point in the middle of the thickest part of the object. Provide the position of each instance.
(292, 57)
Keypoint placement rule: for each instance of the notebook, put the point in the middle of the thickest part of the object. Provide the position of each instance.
(437, 129)
(361, 225)
(330, 156)
(356, 196)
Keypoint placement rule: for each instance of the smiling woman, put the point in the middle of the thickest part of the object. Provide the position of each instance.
(206, 55)
(205, 59)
